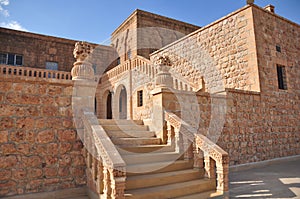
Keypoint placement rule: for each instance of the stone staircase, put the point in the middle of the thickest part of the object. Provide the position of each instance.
(155, 170)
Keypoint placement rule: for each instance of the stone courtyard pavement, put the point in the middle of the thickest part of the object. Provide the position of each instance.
(277, 180)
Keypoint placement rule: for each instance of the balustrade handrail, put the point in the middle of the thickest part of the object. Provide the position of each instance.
(105, 157)
(22, 71)
(144, 65)
(209, 148)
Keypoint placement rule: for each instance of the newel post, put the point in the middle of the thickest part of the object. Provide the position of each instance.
(83, 78)
(84, 88)
(161, 94)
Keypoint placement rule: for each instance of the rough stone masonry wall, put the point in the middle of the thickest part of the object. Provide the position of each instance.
(223, 53)
(259, 125)
(38, 49)
(39, 147)
(257, 129)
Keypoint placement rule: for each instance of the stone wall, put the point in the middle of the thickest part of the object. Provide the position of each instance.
(257, 129)
(237, 54)
(39, 147)
(38, 49)
(223, 53)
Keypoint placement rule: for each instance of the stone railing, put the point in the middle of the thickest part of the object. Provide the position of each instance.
(145, 66)
(106, 170)
(198, 147)
(20, 71)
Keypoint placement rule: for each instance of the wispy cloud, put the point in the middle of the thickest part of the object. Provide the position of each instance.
(3, 11)
(12, 24)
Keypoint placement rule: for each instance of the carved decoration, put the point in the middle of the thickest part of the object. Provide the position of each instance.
(214, 155)
(82, 68)
(82, 50)
(163, 77)
(163, 61)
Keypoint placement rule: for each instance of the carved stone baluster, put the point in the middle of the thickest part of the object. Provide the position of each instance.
(177, 140)
(106, 183)
(95, 169)
(222, 176)
(118, 183)
(100, 177)
(209, 166)
(169, 133)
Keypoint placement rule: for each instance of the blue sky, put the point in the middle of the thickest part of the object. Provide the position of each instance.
(95, 20)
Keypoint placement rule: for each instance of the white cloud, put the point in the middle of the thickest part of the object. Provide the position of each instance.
(2, 10)
(12, 25)
(9, 24)
(4, 2)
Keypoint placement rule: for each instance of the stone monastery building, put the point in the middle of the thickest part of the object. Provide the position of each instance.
(162, 112)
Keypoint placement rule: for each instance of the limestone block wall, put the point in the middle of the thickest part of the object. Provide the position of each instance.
(224, 53)
(272, 30)
(39, 147)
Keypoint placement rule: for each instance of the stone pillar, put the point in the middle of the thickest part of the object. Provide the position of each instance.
(84, 79)
(84, 90)
(161, 95)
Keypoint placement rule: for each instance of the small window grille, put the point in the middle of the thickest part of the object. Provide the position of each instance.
(140, 98)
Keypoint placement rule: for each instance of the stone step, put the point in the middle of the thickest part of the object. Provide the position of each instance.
(172, 190)
(158, 167)
(151, 180)
(130, 134)
(151, 157)
(208, 194)
(132, 127)
(135, 141)
(120, 122)
(146, 149)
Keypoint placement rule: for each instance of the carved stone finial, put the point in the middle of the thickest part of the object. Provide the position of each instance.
(163, 60)
(163, 77)
(82, 50)
(82, 68)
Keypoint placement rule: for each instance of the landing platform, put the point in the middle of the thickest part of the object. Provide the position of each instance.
(276, 180)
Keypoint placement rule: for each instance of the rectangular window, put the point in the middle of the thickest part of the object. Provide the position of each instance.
(51, 65)
(19, 60)
(281, 76)
(3, 58)
(140, 98)
(11, 59)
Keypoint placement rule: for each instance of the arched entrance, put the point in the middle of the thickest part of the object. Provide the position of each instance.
(123, 104)
(109, 106)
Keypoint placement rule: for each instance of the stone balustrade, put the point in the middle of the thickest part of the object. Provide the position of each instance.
(198, 147)
(20, 71)
(106, 169)
(145, 66)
